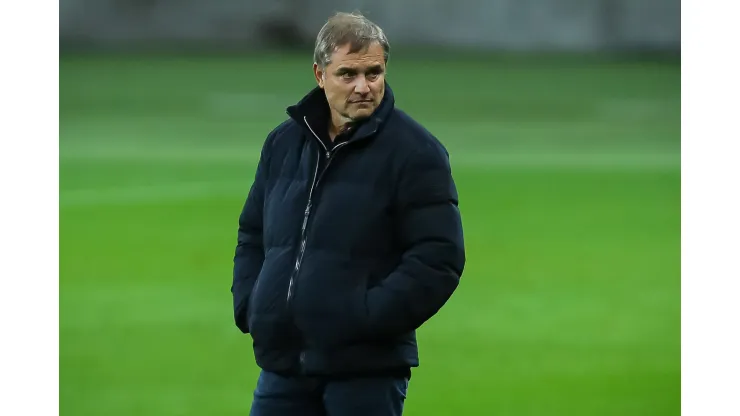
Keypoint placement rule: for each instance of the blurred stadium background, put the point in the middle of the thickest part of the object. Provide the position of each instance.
(562, 118)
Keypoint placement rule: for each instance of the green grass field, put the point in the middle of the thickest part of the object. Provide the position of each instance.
(569, 180)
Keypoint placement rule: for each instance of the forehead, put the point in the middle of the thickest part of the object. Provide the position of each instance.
(372, 55)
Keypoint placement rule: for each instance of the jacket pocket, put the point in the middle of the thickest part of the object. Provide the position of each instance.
(266, 305)
(250, 302)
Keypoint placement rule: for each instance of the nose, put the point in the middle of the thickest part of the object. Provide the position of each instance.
(361, 86)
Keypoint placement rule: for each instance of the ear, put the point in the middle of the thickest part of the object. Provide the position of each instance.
(318, 73)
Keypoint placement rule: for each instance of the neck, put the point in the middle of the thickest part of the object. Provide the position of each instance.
(337, 125)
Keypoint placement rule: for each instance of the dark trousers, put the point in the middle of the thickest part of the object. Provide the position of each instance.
(277, 395)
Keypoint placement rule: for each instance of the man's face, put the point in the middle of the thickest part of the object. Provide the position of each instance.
(354, 83)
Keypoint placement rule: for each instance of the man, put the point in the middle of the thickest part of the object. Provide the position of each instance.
(349, 240)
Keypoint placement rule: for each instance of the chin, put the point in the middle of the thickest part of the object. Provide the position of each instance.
(363, 114)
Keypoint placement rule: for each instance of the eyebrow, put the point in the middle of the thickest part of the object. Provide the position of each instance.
(350, 70)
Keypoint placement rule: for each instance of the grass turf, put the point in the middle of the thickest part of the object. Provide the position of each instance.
(570, 192)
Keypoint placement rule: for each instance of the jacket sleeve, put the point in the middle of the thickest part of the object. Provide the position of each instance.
(249, 254)
(429, 228)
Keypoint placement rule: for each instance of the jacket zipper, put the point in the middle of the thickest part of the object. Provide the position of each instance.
(307, 211)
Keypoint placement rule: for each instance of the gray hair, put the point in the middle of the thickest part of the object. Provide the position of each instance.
(347, 28)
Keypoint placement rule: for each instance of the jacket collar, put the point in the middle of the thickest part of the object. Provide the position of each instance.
(314, 110)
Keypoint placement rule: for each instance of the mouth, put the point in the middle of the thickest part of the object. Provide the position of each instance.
(361, 102)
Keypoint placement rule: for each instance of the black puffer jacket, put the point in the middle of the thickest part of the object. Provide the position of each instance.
(344, 250)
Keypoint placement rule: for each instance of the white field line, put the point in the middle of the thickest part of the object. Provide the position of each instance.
(570, 161)
(188, 191)
(606, 159)
(138, 195)
(170, 154)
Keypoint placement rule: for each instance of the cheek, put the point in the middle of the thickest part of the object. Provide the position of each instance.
(378, 89)
(333, 94)
(337, 98)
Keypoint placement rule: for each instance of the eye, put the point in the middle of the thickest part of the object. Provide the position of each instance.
(347, 75)
(373, 76)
